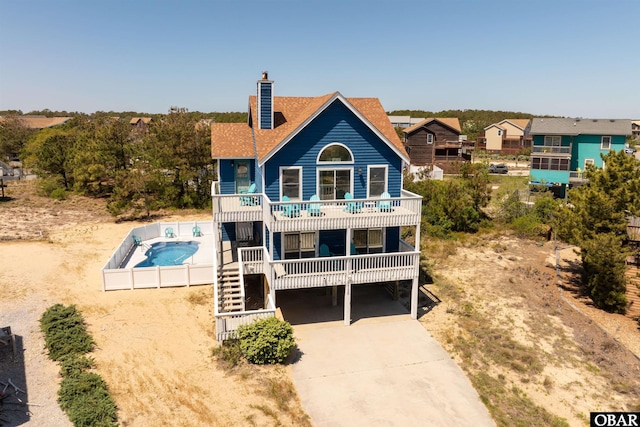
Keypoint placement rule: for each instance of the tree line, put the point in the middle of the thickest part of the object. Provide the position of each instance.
(164, 165)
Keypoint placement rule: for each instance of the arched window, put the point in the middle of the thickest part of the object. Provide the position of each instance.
(335, 153)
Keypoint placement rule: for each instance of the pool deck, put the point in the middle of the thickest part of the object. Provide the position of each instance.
(204, 254)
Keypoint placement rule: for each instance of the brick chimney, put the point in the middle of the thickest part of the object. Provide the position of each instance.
(265, 102)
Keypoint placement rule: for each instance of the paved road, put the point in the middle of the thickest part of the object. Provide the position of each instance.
(384, 370)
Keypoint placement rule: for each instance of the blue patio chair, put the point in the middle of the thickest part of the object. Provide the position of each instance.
(168, 232)
(137, 240)
(385, 205)
(324, 250)
(354, 251)
(290, 210)
(313, 209)
(352, 207)
(249, 200)
(197, 232)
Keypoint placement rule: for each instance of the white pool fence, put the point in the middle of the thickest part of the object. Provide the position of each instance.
(114, 277)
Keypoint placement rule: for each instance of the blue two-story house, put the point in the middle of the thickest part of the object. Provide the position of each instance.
(309, 194)
(563, 147)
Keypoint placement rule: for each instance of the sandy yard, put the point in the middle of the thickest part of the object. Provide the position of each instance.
(520, 337)
(502, 314)
(153, 346)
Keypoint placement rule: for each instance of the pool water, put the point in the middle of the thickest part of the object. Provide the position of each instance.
(168, 253)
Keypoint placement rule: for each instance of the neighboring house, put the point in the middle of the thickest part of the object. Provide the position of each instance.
(436, 142)
(507, 136)
(39, 122)
(140, 123)
(404, 121)
(309, 196)
(635, 129)
(34, 122)
(563, 147)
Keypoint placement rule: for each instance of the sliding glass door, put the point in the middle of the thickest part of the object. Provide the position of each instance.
(334, 183)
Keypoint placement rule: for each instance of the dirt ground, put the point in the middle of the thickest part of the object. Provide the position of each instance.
(502, 316)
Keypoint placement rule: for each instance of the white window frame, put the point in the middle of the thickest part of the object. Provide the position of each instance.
(339, 162)
(299, 249)
(368, 247)
(299, 168)
(602, 144)
(386, 178)
(589, 162)
(551, 139)
(429, 138)
(333, 168)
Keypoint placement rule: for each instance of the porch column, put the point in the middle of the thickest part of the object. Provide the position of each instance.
(347, 303)
(414, 298)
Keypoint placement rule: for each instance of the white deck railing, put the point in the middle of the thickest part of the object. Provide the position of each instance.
(551, 149)
(228, 323)
(251, 259)
(331, 271)
(237, 207)
(318, 214)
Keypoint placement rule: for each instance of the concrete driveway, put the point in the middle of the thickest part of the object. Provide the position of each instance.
(383, 370)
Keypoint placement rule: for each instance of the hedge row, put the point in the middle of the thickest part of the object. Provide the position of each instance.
(83, 395)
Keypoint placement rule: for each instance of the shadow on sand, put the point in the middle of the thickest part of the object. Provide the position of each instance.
(14, 409)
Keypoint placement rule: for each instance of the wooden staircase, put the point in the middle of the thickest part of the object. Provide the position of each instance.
(229, 292)
(633, 290)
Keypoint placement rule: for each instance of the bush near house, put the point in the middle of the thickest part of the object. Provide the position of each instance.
(266, 341)
(83, 395)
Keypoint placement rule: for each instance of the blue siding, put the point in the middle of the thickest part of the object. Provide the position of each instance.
(588, 147)
(539, 175)
(227, 175)
(335, 124)
(266, 106)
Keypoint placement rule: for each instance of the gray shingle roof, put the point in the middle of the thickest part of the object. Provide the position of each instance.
(569, 126)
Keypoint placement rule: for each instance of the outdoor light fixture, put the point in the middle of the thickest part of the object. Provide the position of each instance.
(231, 163)
(359, 171)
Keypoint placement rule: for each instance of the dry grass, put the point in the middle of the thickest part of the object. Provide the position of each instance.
(200, 296)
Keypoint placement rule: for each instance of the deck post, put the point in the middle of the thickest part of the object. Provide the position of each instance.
(334, 295)
(414, 298)
(347, 303)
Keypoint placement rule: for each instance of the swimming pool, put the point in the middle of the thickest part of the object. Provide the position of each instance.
(168, 253)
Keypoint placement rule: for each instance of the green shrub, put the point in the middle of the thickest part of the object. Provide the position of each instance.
(83, 395)
(265, 341)
(73, 364)
(529, 226)
(58, 194)
(85, 398)
(65, 332)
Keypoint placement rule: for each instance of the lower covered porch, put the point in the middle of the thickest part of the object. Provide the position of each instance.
(327, 304)
(335, 279)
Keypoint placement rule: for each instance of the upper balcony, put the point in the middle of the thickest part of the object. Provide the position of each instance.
(318, 214)
(551, 150)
